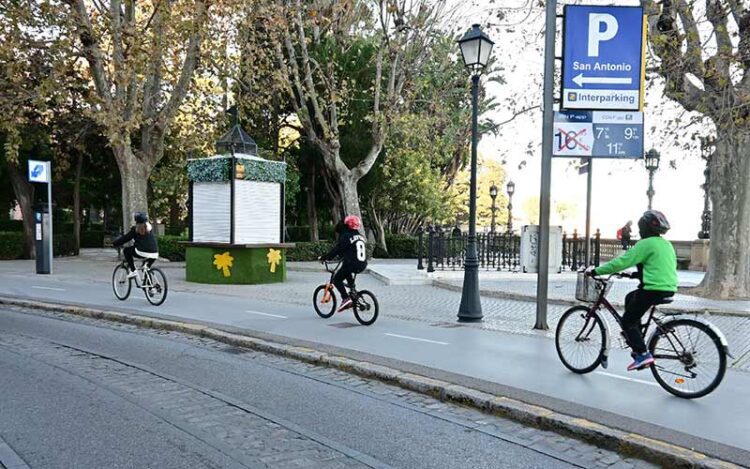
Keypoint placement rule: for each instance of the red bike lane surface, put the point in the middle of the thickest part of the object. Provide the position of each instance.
(524, 367)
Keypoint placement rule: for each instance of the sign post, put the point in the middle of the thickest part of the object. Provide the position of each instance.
(603, 69)
(41, 172)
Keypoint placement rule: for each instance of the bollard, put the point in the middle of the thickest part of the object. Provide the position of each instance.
(597, 247)
(420, 247)
(430, 246)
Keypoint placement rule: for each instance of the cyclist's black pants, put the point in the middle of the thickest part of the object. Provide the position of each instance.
(130, 255)
(637, 304)
(345, 273)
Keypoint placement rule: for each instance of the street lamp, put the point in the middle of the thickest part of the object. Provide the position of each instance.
(510, 188)
(707, 144)
(493, 194)
(652, 164)
(476, 47)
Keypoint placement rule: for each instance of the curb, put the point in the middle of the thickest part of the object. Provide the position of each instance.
(557, 301)
(626, 443)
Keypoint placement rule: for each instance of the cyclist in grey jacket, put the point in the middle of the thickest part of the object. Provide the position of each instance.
(144, 243)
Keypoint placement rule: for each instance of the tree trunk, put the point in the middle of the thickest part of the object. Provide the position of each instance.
(134, 176)
(24, 192)
(333, 194)
(312, 210)
(77, 203)
(728, 274)
(347, 185)
(377, 223)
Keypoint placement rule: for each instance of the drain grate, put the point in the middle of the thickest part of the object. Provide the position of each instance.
(344, 325)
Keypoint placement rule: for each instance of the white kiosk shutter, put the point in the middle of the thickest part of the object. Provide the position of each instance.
(257, 212)
(211, 207)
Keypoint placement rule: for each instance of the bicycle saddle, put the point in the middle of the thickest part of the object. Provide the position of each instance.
(665, 301)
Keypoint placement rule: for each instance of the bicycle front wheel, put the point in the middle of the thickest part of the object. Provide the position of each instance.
(121, 284)
(324, 301)
(580, 339)
(690, 358)
(366, 308)
(156, 287)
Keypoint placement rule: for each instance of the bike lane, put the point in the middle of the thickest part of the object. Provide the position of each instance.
(523, 367)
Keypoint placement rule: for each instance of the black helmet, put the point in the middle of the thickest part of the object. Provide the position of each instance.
(140, 217)
(653, 222)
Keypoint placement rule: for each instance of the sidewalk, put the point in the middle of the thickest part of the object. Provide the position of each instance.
(521, 286)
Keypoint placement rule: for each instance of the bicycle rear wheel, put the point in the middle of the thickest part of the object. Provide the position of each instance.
(121, 284)
(324, 301)
(690, 358)
(366, 308)
(156, 289)
(580, 339)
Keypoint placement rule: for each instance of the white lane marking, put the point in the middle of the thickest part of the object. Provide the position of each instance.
(417, 339)
(625, 378)
(267, 314)
(47, 288)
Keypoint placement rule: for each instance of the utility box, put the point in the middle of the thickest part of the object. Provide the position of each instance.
(42, 233)
(530, 249)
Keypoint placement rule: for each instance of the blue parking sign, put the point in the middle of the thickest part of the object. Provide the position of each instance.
(603, 66)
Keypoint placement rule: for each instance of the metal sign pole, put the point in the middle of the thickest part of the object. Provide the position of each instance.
(49, 210)
(544, 203)
(588, 210)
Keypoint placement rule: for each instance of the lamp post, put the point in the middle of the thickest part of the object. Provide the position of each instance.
(707, 144)
(652, 164)
(476, 47)
(510, 188)
(493, 194)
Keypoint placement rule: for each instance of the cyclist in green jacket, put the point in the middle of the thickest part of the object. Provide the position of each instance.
(657, 270)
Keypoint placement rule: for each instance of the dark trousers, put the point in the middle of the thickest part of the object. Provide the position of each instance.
(625, 243)
(130, 256)
(344, 273)
(637, 304)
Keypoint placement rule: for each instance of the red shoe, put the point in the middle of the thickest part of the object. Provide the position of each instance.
(346, 305)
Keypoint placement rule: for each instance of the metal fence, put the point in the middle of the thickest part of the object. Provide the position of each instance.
(440, 249)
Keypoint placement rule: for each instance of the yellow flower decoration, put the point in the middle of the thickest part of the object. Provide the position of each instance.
(223, 262)
(274, 259)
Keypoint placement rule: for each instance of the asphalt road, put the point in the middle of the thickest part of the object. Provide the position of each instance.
(87, 394)
(523, 367)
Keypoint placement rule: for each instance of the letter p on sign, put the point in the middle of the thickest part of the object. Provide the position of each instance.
(597, 34)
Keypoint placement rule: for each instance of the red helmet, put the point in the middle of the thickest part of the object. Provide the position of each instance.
(352, 222)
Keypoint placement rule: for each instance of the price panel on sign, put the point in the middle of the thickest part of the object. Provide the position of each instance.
(601, 134)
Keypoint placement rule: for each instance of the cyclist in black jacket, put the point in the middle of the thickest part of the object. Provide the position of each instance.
(144, 243)
(351, 246)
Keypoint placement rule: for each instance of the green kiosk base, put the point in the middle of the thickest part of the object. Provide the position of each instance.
(235, 264)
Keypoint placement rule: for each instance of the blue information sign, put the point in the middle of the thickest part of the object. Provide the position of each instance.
(601, 134)
(603, 58)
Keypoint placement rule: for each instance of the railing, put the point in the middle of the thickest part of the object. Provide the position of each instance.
(445, 250)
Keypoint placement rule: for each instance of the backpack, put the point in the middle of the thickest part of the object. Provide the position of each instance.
(619, 233)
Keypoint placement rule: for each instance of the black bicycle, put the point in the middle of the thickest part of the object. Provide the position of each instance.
(150, 279)
(364, 303)
(690, 352)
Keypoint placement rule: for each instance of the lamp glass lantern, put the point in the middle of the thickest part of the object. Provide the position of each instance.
(651, 160)
(476, 47)
(510, 188)
(493, 191)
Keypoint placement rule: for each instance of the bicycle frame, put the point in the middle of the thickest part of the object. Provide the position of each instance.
(603, 302)
(330, 286)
